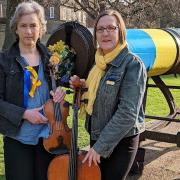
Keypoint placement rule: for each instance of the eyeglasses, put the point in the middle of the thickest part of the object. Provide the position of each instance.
(108, 29)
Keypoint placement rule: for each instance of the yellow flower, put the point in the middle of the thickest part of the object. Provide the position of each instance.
(55, 59)
(58, 47)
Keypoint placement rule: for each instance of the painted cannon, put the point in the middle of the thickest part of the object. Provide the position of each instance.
(158, 48)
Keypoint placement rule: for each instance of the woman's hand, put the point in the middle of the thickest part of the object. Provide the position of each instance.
(92, 156)
(75, 82)
(34, 116)
(58, 95)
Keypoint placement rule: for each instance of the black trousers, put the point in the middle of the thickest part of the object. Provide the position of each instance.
(25, 162)
(118, 165)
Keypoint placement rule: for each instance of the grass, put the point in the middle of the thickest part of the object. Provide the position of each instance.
(156, 105)
(1, 159)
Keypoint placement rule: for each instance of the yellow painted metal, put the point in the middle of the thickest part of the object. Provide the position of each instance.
(166, 51)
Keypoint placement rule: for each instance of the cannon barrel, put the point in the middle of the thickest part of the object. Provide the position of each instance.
(159, 49)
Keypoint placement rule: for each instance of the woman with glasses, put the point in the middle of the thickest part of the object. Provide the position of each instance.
(114, 112)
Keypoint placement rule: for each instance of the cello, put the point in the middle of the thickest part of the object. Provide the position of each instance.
(70, 166)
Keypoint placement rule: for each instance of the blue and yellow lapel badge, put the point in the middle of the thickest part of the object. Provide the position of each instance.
(110, 80)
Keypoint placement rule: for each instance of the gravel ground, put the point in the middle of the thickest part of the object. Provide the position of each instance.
(162, 160)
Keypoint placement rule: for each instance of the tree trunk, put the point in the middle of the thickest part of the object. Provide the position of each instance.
(9, 36)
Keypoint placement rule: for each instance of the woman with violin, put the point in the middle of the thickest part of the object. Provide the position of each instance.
(24, 89)
(114, 112)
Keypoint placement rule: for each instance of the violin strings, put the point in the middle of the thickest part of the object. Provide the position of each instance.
(57, 115)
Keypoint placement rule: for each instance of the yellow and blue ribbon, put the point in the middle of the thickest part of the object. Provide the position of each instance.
(27, 86)
(31, 82)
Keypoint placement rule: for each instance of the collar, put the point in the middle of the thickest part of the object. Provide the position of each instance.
(14, 50)
(120, 58)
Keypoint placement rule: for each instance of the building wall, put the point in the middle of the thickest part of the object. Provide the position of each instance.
(68, 14)
(64, 14)
(55, 15)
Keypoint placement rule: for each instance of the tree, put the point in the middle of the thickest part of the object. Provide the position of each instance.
(170, 14)
(9, 37)
(136, 13)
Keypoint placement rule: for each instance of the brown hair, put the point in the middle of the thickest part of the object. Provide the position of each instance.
(120, 21)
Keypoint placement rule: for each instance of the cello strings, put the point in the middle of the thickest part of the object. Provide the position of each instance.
(73, 153)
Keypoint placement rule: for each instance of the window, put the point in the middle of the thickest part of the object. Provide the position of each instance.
(51, 12)
(84, 18)
(1, 10)
(78, 16)
(62, 13)
(68, 14)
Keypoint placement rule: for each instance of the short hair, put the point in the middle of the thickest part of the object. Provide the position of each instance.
(26, 8)
(120, 21)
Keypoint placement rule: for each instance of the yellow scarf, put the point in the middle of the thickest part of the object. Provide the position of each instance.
(96, 74)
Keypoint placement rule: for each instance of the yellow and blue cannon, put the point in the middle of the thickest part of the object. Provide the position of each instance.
(159, 49)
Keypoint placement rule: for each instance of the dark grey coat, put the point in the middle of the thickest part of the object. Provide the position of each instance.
(12, 87)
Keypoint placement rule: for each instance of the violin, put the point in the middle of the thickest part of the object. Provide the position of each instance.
(59, 140)
(70, 166)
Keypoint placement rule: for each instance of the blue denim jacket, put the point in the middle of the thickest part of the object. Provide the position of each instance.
(118, 110)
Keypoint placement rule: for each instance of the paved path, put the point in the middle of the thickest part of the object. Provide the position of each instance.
(162, 160)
